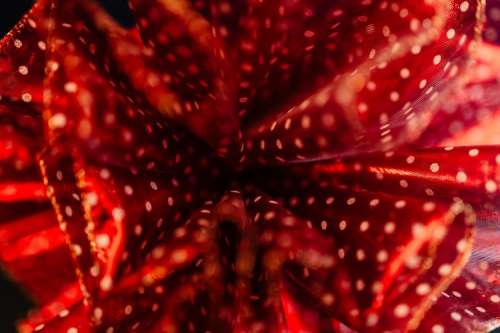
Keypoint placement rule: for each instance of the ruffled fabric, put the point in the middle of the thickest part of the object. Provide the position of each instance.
(252, 166)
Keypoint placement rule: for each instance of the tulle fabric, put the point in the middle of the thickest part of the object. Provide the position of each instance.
(253, 166)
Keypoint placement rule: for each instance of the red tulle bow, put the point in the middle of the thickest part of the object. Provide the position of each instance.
(253, 166)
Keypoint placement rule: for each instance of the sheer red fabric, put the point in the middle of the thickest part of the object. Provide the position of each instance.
(253, 166)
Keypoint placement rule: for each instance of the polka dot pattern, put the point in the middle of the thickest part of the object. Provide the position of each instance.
(384, 240)
(471, 115)
(109, 240)
(467, 305)
(387, 98)
(250, 166)
(190, 58)
(29, 236)
(428, 173)
(22, 60)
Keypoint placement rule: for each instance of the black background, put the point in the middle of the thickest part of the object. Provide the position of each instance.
(13, 302)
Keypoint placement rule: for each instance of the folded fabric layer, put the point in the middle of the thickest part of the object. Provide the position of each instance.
(252, 166)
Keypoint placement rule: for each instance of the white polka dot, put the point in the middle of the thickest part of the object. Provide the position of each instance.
(490, 186)
(128, 309)
(401, 310)
(98, 313)
(450, 34)
(471, 285)
(480, 309)
(64, 313)
(23, 70)
(26, 97)
(118, 213)
(400, 204)
(58, 120)
(68, 211)
(444, 269)
(456, 316)
(70, 87)
(473, 152)
(437, 329)
(328, 299)
(429, 206)
(342, 225)
(464, 6)
(179, 256)
(106, 283)
(394, 96)
(77, 249)
(389, 227)
(423, 289)
(360, 255)
(461, 245)
(104, 173)
(371, 320)
(461, 177)
(364, 226)
(138, 230)
(102, 240)
(382, 256)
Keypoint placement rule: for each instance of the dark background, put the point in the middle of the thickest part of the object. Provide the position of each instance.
(13, 302)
